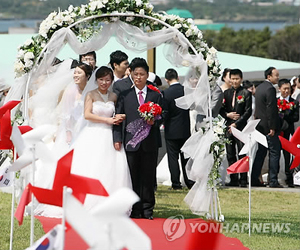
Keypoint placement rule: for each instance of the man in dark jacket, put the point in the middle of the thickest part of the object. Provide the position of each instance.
(266, 110)
(142, 159)
(288, 114)
(177, 129)
(236, 110)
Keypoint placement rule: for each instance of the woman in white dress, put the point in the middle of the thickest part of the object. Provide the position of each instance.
(94, 152)
(69, 112)
(70, 109)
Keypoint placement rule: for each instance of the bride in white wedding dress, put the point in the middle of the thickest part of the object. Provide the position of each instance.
(94, 153)
(66, 115)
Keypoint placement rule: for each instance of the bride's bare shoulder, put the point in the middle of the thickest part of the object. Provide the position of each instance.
(92, 92)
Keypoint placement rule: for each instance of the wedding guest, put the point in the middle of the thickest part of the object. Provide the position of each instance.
(3, 92)
(236, 110)
(217, 97)
(157, 81)
(266, 110)
(89, 58)
(289, 114)
(293, 83)
(296, 96)
(177, 129)
(142, 159)
(226, 79)
(154, 79)
(119, 64)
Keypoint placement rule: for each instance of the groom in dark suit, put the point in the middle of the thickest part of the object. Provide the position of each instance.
(177, 129)
(142, 159)
(122, 85)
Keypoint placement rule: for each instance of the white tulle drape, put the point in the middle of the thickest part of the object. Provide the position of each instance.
(132, 38)
(198, 167)
(46, 92)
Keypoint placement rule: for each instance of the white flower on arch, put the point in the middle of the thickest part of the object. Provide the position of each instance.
(57, 20)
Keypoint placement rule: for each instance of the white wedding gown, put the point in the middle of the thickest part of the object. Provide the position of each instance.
(95, 156)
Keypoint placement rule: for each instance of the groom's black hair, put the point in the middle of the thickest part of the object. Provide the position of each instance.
(171, 74)
(268, 72)
(236, 72)
(139, 62)
(225, 71)
(117, 57)
(284, 81)
(91, 53)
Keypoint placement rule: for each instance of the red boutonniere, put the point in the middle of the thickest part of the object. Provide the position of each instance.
(150, 86)
(240, 99)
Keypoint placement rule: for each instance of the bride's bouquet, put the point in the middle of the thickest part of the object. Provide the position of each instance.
(140, 128)
(150, 111)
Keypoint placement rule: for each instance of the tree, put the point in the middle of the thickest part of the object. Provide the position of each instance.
(284, 45)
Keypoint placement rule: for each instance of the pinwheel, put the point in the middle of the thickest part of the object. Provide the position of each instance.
(107, 226)
(293, 147)
(5, 125)
(63, 177)
(25, 143)
(249, 136)
(249, 131)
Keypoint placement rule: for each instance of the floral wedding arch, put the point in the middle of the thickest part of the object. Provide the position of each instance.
(135, 25)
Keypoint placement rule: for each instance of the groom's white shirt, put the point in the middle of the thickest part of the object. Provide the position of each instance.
(174, 83)
(144, 92)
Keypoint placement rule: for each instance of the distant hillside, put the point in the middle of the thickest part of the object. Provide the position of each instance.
(219, 10)
(234, 10)
(34, 9)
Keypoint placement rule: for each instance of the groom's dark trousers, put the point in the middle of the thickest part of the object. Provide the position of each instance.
(142, 160)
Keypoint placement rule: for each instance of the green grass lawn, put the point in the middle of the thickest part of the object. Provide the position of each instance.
(267, 207)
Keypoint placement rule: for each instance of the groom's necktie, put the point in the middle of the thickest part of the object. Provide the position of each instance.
(233, 98)
(141, 98)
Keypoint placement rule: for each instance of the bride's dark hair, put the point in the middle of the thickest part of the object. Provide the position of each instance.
(88, 70)
(104, 71)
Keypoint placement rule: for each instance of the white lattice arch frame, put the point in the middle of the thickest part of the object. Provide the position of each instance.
(26, 94)
(214, 205)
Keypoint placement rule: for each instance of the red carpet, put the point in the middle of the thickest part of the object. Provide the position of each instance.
(154, 229)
